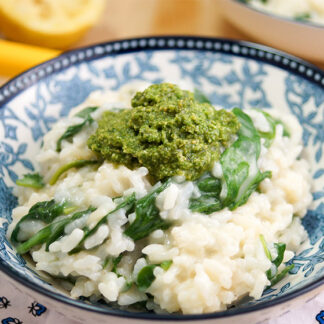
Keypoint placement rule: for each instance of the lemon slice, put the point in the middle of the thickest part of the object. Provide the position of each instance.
(51, 23)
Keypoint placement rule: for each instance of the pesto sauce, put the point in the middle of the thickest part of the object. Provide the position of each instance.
(167, 131)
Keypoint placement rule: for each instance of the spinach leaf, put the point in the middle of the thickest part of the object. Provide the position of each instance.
(269, 136)
(147, 215)
(146, 275)
(115, 263)
(57, 229)
(128, 204)
(106, 262)
(39, 238)
(165, 265)
(74, 129)
(86, 113)
(201, 97)
(51, 233)
(32, 180)
(75, 164)
(205, 204)
(240, 172)
(45, 211)
(265, 247)
(210, 185)
(280, 247)
(209, 200)
(128, 285)
(303, 16)
(239, 163)
(272, 273)
(281, 275)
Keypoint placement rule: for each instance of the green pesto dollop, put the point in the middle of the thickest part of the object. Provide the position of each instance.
(167, 131)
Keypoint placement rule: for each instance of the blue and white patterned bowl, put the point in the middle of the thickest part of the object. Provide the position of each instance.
(231, 73)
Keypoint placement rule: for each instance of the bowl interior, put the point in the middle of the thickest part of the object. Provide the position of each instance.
(230, 73)
(300, 21)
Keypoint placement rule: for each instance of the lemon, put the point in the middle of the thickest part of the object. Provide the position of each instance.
(51, 23)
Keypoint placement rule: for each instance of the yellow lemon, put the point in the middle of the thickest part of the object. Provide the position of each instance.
(51, 23)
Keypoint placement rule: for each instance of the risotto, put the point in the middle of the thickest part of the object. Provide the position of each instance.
(116, 233)
(302, 10)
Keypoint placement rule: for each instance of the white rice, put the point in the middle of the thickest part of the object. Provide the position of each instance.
(217, 258)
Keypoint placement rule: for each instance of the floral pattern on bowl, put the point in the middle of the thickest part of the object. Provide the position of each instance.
(230, 73)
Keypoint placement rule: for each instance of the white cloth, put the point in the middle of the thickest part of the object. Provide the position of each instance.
(16, 308)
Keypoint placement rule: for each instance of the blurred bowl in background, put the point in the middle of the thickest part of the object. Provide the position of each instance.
(304, 39)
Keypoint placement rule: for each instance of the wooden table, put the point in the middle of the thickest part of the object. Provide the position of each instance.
(134, 18)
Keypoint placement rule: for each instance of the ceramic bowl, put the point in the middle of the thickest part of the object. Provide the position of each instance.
(231, 73)
(304, 39)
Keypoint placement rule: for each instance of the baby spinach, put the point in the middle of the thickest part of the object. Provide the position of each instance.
(45, 211)
(281, 275)
(305, 16)
(269, 136)
(106, 262)
(147, 215)
(114, 261)
(239, 163)
(51, 233)
(205, 204)
(241, 175)
(86, 113)
(75, 164)
(146, 275)
(209, 201)
(31, 180)
(74, 129)
(165, 265)
(272, 273)
(128, 204)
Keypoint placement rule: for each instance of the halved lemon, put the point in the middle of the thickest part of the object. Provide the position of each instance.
(51, 23)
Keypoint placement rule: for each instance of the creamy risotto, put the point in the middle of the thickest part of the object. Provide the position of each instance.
(175, 245)
(303, 10)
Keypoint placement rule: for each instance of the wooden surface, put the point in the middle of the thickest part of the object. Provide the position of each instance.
(134, 18)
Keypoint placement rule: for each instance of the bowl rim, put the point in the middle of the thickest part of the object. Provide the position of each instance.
(280, 17)
(243, 49)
